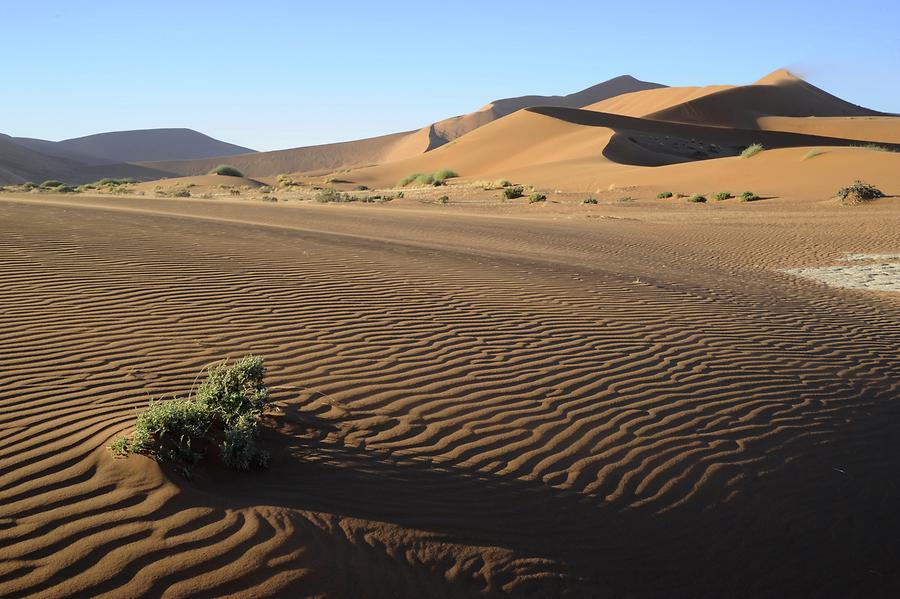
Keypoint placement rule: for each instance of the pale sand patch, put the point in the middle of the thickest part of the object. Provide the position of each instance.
(883, 274)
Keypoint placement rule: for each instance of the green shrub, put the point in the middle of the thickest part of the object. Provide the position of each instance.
(859, 192)
(749, 196)
(226, 171)
(444, 199)
(664, 195)
(697, 199)
(51, 183)
(65, 189)
(511, 193)
(444, 174)
(723, 195)
(589, 201)
(752, 150)
(225, 411)
(181, 193)
(536, 197)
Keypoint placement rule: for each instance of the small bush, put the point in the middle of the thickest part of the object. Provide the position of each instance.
(362, 188)
(51, 183)
(590, 201)
(234, 192)
(697, 199)
(723, 195)
(502, 183)
(226, 171)
(444, 199)
(664, 195)
(181, 193)
(859, 192)
(444, 174)
(536, 197)
(269, 199)
(65, 189)
(225, 412)
(511, 193)
(749, 196)
(878, 148)
(752, 150)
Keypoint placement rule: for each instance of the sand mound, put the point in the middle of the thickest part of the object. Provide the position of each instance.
(645, 102)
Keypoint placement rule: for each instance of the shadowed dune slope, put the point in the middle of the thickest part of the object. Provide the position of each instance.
(778, 94)
(467, 406)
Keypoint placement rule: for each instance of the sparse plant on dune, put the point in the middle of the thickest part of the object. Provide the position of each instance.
(269, 199)
(444, 174)
(225, 413)
(590, 201)
(181, 193)
(286, 181)
(859, 192)
(65, 189)
(226, 171)
(536, 197)
(723, 195)
(51, 183)
(444, 199)
(749, 196)
(234, 192)
(502, 183)
(664, 195)
(697, 199)
(626, 200)
(812, 153)
(752, 150)
(511, 193)
(878, 148)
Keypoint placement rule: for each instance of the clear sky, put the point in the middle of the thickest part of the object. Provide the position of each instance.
(272, 74)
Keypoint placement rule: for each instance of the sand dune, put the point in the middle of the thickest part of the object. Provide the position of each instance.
(400, 146)
(646, 102)
(468, 404)
(778, 94)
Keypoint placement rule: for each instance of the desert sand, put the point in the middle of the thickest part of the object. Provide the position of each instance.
(471, 395)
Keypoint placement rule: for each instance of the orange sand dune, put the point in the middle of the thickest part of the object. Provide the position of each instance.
(399, 146)
(868, 128)
(637, 404)
(778, 94)
(564, 148)
(645, 102)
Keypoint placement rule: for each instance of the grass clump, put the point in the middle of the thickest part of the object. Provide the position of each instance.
(181, 193)
(444, 199)
(664, 195)
(536, 197)
(226, 171)
(749, 196)
(878, 148)
(65, 189)
(590, 201)
(812, 153)
(752, 150)
(286, 181)
(511, 193)
(444, 174)
(626, 200)
(501, 183)
(859, 192)
(697, 199)
(224, 415)
(436, 178)
(51, 183)
(723, 195)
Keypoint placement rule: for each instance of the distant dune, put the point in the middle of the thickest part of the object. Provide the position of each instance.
(137, 146)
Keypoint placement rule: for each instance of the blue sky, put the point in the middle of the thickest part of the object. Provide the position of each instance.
(273, 74)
